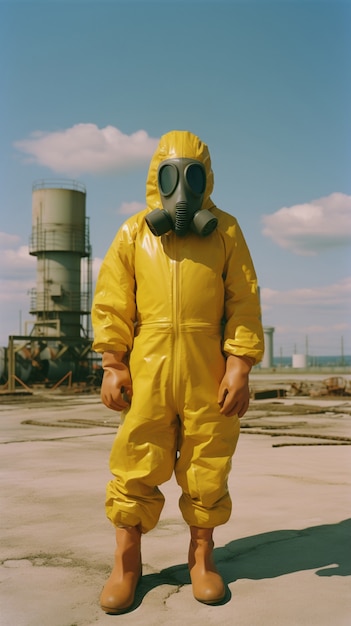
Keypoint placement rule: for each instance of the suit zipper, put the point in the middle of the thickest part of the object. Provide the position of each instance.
(176, 326)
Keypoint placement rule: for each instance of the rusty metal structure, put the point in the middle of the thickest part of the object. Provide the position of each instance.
(56, 344)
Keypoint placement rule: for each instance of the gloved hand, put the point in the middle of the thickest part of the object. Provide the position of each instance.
(233, 393)
(116, 381)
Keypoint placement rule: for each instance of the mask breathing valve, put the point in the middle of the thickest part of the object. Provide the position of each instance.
(182, 220)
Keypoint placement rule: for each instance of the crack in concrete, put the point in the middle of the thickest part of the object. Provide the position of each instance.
(173, 591)
(52, 560)
(44, 439)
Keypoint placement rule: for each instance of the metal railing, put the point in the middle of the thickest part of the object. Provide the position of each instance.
(62, 239)
(59, 183)
(44, 302)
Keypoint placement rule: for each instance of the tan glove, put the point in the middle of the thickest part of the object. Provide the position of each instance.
(116, 386)
(233, 393)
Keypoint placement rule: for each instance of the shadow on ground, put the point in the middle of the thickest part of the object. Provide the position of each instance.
(326, 549)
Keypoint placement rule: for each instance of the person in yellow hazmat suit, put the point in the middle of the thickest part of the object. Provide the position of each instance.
(176, 314)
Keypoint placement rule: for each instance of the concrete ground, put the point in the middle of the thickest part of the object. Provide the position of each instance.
(285, 554)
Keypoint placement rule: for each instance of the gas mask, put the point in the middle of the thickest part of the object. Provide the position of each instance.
(181, 183)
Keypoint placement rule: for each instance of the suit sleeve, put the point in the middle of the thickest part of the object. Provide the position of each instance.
(243, 332)
(114, 308)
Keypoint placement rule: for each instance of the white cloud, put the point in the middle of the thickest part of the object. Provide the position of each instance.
(323, 314)
(309, 228)
(96, 268)
(15, 259)
(130, 208)
(336, 295)
(87, 148)
(9, 241)
(18, 273)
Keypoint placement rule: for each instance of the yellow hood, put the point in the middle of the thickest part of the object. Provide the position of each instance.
(178, 144)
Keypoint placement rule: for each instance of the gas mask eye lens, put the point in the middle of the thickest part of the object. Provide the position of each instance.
(168, 179)
(196, 178)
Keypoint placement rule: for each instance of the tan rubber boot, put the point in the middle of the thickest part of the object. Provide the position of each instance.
(208, 586)
(118, 593)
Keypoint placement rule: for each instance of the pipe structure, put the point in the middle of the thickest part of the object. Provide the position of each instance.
(267, 360)
(30, 359)
(60, 240)
(59, 342)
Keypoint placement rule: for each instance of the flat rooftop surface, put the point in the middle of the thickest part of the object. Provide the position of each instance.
(285, 554)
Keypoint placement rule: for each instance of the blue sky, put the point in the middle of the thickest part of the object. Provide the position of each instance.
(267, 85)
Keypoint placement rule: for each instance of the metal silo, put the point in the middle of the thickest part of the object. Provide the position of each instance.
(60, 240)
(267, 360)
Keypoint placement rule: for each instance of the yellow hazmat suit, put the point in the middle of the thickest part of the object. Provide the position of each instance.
(177, 306)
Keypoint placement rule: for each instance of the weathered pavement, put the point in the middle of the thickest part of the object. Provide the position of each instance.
(285, 554)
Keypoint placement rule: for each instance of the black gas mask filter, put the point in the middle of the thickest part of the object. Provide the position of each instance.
(182, 184)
